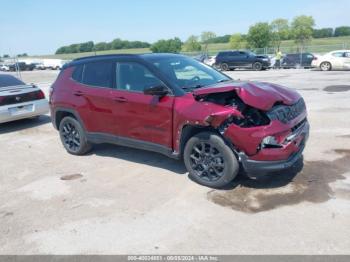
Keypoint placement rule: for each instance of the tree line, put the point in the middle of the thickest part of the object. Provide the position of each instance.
(90, 46)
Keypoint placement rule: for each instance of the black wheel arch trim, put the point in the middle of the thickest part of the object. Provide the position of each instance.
(65, 110)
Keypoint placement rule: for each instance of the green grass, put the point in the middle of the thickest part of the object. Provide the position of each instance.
(316, 45)
(320, 45)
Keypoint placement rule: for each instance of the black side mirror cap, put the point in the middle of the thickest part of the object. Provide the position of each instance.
(159, 91)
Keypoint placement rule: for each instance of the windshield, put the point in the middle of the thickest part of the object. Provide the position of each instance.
(187, 73)
(251, 53)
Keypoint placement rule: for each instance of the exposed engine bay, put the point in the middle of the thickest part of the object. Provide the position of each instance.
(251, 116)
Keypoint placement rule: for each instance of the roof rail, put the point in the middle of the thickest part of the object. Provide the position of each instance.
(98, 56)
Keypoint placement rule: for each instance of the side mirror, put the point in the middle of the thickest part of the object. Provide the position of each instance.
(156, 91)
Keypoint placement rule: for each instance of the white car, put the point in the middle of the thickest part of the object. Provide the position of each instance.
(335, 60)
(4, 67)
(210, 60)
(18, 100)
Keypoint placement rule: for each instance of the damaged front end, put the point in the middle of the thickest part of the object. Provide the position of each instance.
(265, 139)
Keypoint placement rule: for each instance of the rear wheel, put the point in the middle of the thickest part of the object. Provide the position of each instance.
(73, 136)
(326, 66)
(224, 67)
(209, 160)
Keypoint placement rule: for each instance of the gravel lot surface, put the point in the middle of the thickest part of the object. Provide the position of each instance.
(118, 200)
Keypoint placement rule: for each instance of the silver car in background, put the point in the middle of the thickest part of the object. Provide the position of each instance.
(19, 101)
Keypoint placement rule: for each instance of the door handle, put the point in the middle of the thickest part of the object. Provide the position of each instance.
(78, 93)
(120, 99)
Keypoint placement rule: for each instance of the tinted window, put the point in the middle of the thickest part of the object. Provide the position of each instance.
(98, 74)
(221, 54)
(135, 77)
(8, 80)
(77, 73)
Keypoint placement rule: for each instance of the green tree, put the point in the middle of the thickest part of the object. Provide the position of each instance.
(342, 31)
(101, 46)
(192, 44)
(302, 29)
(236, 41)
(117, 44)
(206, 37)
(6, 56)
(86, 47)
(322, 33)
(167, 46)
(259, 35)
(279, 31)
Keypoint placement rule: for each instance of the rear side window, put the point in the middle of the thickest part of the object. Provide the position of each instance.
(338, 54)
(98, 74)
(78, 73)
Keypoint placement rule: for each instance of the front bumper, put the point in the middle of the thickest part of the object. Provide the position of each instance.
(294, 149)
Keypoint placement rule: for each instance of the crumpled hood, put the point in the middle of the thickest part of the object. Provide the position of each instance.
(260, 95)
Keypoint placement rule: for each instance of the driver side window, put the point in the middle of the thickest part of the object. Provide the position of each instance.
(133, 76)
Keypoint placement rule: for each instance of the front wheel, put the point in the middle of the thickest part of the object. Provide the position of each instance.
(73, 136)
(209, 160)
(257, 66)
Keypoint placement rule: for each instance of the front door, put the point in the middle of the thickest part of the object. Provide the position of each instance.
(139, 116)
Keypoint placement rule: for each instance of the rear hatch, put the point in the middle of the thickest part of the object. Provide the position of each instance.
(19, 94)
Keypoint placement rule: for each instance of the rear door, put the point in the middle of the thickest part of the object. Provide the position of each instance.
(139, 116)
(347, 60)
(93, 98)
(338, 60)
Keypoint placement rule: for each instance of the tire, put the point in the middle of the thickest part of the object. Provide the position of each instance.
(209, 160)
(73, 136)
(224, 67)
(257, 66)
(326, 66)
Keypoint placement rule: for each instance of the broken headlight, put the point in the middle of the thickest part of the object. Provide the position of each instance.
(270, 142)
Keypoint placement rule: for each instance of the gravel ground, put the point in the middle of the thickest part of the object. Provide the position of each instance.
(118, 200)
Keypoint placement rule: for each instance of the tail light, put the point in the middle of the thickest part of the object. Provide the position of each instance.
(40, 95)
(315, 58)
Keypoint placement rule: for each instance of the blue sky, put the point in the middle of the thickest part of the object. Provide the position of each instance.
(41, 26)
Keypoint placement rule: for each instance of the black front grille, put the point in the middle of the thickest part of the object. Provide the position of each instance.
(285, 113)
(19, 98)
(297, 126)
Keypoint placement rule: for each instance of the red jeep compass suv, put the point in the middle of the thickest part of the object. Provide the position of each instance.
(179, 107)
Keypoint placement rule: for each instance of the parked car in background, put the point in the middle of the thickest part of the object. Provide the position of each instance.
(210, 60)
(53, 64)
(297, 60)
(230, 60)
(39, 66)
(22, 66)
(18, 100)
(4, 67)
(184, 109)
(335, 60)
